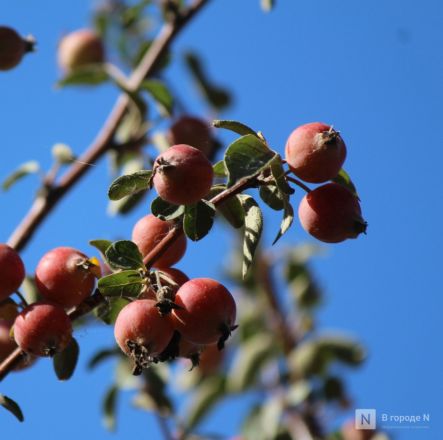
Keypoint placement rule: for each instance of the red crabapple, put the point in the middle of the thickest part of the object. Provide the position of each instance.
(13, 47)
(191, 131)
(141, 332)
(149, 231)
(64, 276)
(43, 329)
(182, 175)
(12, 271)
(80, 48)
(331, 213)
(210, 359)
(206, 312)
(315, 152)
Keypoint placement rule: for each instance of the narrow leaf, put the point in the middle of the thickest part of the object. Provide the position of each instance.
(160, 93)
(66, 361)
(126, 283)
(12, 407)
(130, 184)
(109, 407)
(165, 210)
(344, 179)
(236, 127)
(124, 254)
(23, 170)
(101, 245)
(198, 219)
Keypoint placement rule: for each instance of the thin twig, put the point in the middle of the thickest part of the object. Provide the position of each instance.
(298, 183)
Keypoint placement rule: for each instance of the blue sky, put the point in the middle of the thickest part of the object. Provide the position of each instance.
(372, 69)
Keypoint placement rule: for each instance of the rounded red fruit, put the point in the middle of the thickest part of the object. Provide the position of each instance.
(12, 47)
(331, 213)
(141, 332)
(80, 48)
(206, 313)
(210, 359)
(315, 152)
(149, 231)
(12, 271)
(64, 276)
(191, 131)
(182, 175)
(43, 329)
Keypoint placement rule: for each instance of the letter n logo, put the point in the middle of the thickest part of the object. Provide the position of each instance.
(365, 419)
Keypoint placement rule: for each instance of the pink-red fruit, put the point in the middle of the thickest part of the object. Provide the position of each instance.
(191, 131)
(12, 271)
(64, 276)
(43, 329)
(12, 47)
(182, 175)
(140, 327)
(206, 313)
(80, 48)
(331, 213)
(315, 152)
(149, 231)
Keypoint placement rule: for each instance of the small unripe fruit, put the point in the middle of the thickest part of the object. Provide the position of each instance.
(43, 329)
(206, 313)
(63, 276)
(12, 271)
(182, 175)
(80, 48)
(141, 332)
(149, 231)
(12, 47)
(315, 152)
(191, 131)
(331, 213)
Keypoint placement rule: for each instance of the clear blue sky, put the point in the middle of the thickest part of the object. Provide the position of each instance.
(372, 69)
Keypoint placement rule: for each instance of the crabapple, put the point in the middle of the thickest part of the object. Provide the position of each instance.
(331, 213)
(182, 175)
(315, 152)
(141, 332)
(206, 312)
(13, 47)
(43, 329)
(210, 359)
(64, 276)
(191, 131)
(149, 231)
(12, 271)
(80, 48)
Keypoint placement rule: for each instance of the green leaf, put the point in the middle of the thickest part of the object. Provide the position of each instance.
(130, 184)
(124, 254)
(253, 230)
(232, 211)
(246, 157)
(126, 283)
(198, 219)
(267, 5)
(101, 245)
(344, 179)
(92, 74)
(236, 127)
(270, 194)
(109, 310)
(160, 93)
(165, 210)
(220, 169)
(66, 361)
(288, 218)
(263, 422)
(12, 407)
(204, 398)
(23, 170)
(101, 356)
(109, 406)
(253, 355)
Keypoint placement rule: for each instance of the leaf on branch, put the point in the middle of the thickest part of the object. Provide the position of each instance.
(246, 157)
(12, 407)
(92, 74)
(124, 254)
(220, 169)
(109, 406)
(23, 170)
(231, 209)
(344, 179)
(198, 219)
(101, 245)
(127, 283)
(109, 310)
(253, 230)
(102, 355)
(165, 210)
(66, 361)
(62, 154)
(270, 194)
(130, 184)
(161, 94)
(235, 126)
